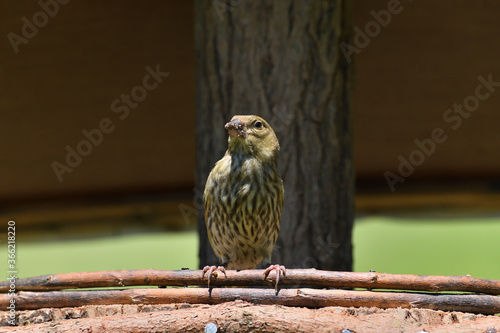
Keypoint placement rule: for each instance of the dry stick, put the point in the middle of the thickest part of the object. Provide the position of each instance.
(313, 298)
(294, 277)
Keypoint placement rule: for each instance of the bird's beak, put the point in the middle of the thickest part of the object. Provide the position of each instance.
(236, 128)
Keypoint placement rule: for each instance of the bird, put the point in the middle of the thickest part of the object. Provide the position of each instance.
(243, 198)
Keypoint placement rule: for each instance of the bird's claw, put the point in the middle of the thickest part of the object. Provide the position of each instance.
(279, 270)
(211, 270)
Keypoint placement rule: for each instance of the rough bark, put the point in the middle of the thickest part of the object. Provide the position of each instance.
(244, 317)
(311, 298)
(294, 277)
(281, 60)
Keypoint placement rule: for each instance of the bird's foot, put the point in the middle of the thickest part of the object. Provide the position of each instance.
(279, 270)
(211, 270)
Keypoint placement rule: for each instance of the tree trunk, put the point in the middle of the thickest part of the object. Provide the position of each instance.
(282, 60)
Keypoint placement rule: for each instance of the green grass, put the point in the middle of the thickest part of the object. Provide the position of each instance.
(428, 246)
(172, 250)
(384, 244)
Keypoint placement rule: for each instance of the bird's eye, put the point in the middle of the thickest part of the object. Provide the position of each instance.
(258, 125)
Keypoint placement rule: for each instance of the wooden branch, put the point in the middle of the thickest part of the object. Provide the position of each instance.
(312, 298)
(294, 277)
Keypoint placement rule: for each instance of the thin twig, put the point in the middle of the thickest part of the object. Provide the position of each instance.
(294, 277)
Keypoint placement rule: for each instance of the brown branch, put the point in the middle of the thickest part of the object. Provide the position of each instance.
(294, 277)
(312, 298)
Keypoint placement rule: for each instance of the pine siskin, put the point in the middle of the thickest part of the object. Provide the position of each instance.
(243, 198)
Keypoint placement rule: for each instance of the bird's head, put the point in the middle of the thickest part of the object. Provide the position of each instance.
(252, 135)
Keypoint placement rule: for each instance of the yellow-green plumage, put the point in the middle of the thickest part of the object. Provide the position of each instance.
(243, 196)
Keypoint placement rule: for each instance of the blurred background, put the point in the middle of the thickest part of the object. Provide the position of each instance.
(97, 163)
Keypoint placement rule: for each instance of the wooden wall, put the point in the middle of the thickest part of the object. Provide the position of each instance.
(427, 59)
(68, 72)
(65, 79)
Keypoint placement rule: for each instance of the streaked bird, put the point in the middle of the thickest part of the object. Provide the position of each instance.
(243, 198)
